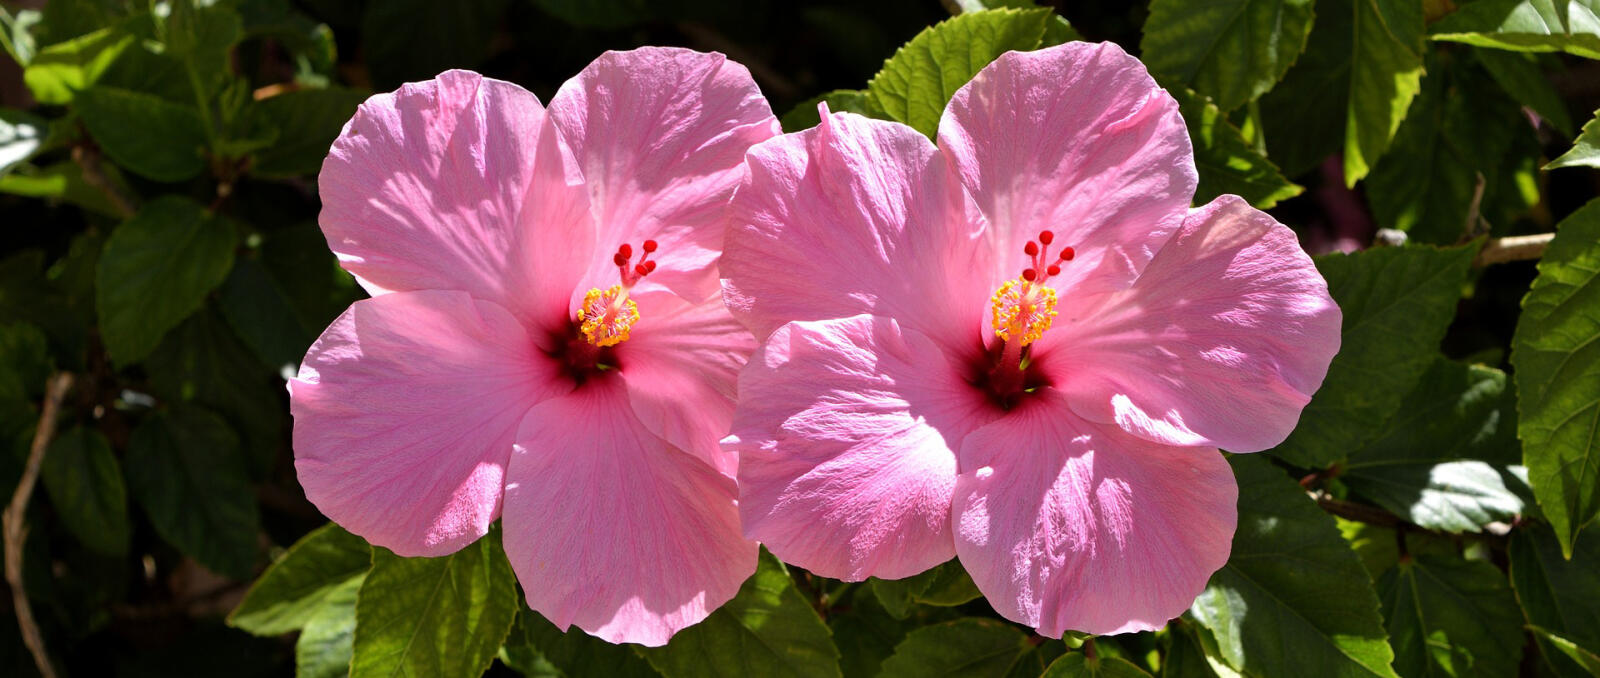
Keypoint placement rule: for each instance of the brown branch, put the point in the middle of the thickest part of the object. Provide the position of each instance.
(1513, 248)
(15, 520)
(88, 158)
(1360, 513)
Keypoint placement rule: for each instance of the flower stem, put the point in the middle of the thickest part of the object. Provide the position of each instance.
(16, 526)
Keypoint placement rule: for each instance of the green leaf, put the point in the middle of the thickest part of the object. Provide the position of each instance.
(185, 468)
(1350, 89)
(259, 310)
(63, 181)
(944, 585)
(1520, 76)
(865, 633)
(21, 134)
(804, 115)
(156, 269)
(1293, 597)
(1232, 51)
(306, 122)
(537, 648)
(1441, 461)
(1079, 665)
(202, 34)
(1397, 303)
(1455, 133)
(302, 581)
(767, 629)
(965, 648)
(148, 135)
(917, 82)
(1589, 661)
(1559, 595)
(85, 485)
(58, 72)
(1379, 548)
(203, 362)
(1448, 616)
(1556, 352)
(327, 644)
(434, 616)
(1570, 26)
(1227, 163)
(24, 360)
(1585, 151)
(1187, 655)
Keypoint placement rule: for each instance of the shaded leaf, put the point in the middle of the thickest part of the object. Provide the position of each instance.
(1556, 352)
(1397, 302)
(1448, 616)
(1079, 665)
(86, 488)
(1520, 76)
(767, 629)
(537, 648)
(156, 269)
(1231, 51)
(1570, 26)
(148, 135)
(969, 648)
(1589, 661)
(306, 123)
(185, 468)
(1227, 163)
(1441, 461)
(1293, 597)
(805, 116)
(1558, 595)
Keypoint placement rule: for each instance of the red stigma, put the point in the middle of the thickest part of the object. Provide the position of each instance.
(1045, 237)
(1029, 274)
(626, 251)
(649, 246)
(1041, 267)
(642, 270)
(1053, 270)
(1031, 249)
(632, 273)
(649, 266)
(619, 259)
(1067, 253)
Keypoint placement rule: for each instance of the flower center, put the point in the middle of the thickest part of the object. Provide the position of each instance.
(1023, 310)
(1025, 307)
(607, 316)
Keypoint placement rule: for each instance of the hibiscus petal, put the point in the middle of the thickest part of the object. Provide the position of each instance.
(846, 433)
(681, 367)
(855, 216)
(1077, 139)
(1221, 342)
(613, 529)
(405, 411)
(424, 187)
(1069, 525)
(659, 135)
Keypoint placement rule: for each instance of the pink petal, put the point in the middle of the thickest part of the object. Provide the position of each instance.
(659, 135)
(1068, 525)
(405, 411)
(1221, 342)
(424, 189)
(613, 529)
(1077, 139)
(681, 367)
(856, 216)
(846, 433)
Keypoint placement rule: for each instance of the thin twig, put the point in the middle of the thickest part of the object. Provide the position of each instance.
(89, 159)
(15, 520)
(1513, 248)
(1360, 513)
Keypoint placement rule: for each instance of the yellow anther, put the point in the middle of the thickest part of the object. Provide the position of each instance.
(1023, 310)
(607, 316)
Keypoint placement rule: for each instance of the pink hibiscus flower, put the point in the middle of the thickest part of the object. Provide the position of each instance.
(546, 340)
(1020, 348)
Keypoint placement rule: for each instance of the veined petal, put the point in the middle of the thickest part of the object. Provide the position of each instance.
(846, 432)
(681, 368)
(613, 529)
(405, 411)
(1221, 342)
(1068, 525)
(659, 135)
(1077, 139)
(424, 187)
(856, 216)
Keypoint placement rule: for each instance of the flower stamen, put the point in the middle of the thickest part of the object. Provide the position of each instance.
(606, 317)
